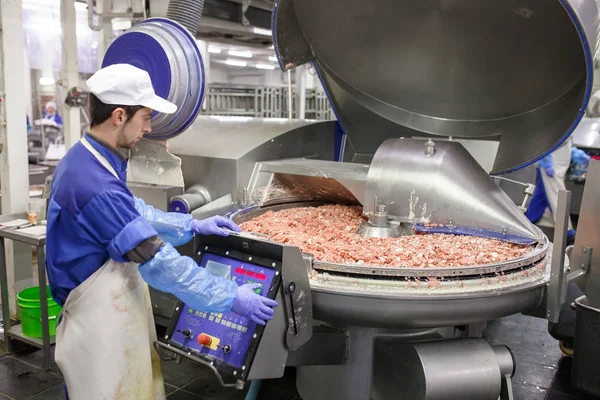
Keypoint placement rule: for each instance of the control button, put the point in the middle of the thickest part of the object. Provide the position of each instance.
(211, 318)
(223, 322)
(218, 320)
(190, 311)
(250, 273)
(208, 341)
(220, 315)
(187, 333)
(227, 349)
(228, 324)
(204, 339)
(244, 329)
(234, 326)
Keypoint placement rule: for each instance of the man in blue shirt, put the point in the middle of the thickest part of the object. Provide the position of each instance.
(102, 251)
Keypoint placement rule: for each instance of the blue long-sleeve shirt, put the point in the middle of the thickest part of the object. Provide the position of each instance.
(94, 217)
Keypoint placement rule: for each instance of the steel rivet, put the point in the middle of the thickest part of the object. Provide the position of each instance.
(254, 336)
(226, 253)
(276, 272)
(243, 367)
(206, 248)
(273, 264)
(249, 258)
(235, 372)
(166, 337)
(176, 308)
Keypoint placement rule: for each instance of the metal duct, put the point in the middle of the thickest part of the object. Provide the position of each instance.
(186, 12)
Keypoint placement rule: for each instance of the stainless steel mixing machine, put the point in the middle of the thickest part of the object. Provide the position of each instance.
(422, 74)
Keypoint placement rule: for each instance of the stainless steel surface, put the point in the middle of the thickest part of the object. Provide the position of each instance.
(327, 346)
(157, 196)
(447, 188)
(286, 181)
(297, 298)
(151, 163)
(219, 206)
(269, 361)
(395, 68)
(220, 153)
(187, 75)
(424, 370)
(588, 234)
(15, 331)
(528, 190)
(389, 230)
(354, 379)
(557, 286)
(586, 367)
(587, 134)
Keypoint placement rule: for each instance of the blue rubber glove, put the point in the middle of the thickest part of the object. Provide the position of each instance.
(549, 171)
(248, 304)
(579, 156)
(218, 225)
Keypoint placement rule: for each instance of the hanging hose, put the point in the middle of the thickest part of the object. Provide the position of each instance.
(254, 390)
(187, 13)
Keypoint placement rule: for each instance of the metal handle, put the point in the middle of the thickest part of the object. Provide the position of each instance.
(238, 384)
(528, 191)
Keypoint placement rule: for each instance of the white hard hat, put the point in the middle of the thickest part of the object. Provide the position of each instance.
(124, 84)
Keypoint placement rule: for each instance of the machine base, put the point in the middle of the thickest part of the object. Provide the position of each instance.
(384, 364)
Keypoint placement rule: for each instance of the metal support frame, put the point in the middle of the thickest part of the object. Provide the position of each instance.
(558, 283)
(70, 72)
(14, 331)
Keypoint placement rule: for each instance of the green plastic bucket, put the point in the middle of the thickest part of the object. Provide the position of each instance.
(31, 314)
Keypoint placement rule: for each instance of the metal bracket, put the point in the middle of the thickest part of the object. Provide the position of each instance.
(557, 285)
(297, 298)
(245, 7)
(584, 267)
(506, 390)
(528, 191)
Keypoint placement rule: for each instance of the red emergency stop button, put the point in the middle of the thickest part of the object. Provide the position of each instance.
(204, 340)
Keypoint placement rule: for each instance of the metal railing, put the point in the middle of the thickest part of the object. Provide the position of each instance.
(264, 102)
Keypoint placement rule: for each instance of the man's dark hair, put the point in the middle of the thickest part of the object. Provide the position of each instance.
(100, 112)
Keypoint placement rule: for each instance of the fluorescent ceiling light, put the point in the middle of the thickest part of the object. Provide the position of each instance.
(214, 50)
(274, 59)
(236, 63)
(265, 66)
(47, 81)
(261, 31)
(245, 54)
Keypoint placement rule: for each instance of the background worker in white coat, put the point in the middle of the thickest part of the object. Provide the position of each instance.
(103, 249)
(551, 174)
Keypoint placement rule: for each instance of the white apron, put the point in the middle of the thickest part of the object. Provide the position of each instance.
(104, 342)
(561, 160)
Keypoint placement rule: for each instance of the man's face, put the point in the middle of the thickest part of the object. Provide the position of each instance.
(134, 128)
(50, 110)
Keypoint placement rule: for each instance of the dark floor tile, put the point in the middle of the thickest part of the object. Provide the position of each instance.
(35, 357)
(499, 332)
(517, 320)
(560, 396)
(169, 389)
(532, 374)
(182, 395)
(538, 325)
(56, 393)
(524, 391)
(179, 375)
(538, 349)
(20, 380)
(209, 388)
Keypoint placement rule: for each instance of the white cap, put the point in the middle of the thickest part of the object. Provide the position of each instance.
(51, 104)
(124, 84)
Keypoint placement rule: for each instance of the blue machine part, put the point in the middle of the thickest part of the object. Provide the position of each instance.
(170, 55)
(233, 342)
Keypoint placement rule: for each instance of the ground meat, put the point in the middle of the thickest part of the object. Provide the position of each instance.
(328, 232)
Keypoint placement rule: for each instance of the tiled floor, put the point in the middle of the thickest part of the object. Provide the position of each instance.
(542, 372)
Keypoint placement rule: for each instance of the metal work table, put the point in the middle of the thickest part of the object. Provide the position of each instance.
(15, 331)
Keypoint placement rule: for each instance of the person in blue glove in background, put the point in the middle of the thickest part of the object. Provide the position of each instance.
(550, 178)
(103, 249)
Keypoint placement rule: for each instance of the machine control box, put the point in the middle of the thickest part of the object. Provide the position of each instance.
(226, 341)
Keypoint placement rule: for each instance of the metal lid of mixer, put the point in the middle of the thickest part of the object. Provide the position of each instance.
(520, 74)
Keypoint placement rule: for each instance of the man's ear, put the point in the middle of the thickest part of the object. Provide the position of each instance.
(119, 117)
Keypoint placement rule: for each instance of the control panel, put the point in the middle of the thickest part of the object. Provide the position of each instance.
(226, 341)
